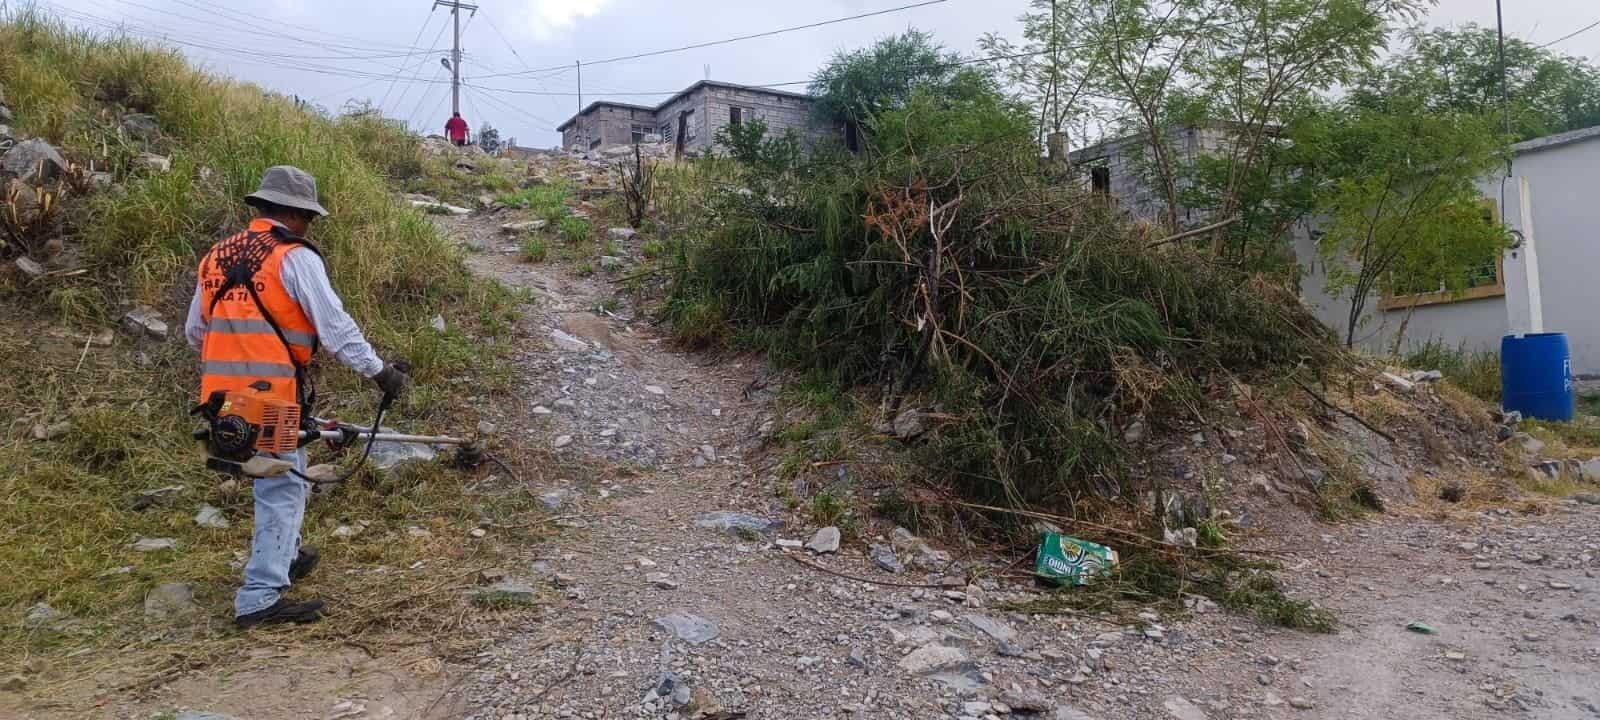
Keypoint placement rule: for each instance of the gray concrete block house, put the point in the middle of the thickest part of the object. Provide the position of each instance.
(1550, 282)
(690, 119)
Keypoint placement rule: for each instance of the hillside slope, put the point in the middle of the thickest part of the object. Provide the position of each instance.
(144, 163)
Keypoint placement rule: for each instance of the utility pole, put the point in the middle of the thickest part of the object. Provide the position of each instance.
(455, 49)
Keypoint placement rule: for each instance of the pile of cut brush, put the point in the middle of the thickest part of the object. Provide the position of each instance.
(944, 266)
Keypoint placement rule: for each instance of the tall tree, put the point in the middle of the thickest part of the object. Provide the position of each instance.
(1459, 70)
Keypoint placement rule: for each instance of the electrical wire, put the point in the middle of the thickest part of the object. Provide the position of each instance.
(415, 75)
(740, 38)
(488, 98)
(439, 111)
(425, 22)
(255, 28)
(417, 66)
(773, 85)
(503, 39)
(422, 100)
(792, 83)
(467, 97)
(1571, 35)
(255, 20)
(293, 61)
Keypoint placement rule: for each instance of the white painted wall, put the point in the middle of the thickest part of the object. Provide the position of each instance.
(1470, 324)
(1562, 175)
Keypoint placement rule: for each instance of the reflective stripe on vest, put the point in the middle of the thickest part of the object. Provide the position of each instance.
(245, 326)
(247, 369)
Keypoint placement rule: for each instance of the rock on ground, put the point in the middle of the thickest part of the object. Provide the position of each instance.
(826, 540)
(930, 658)
(688, 627)
(211, 517)
(169, 601)
(26, 159)
(145, 544)
(146, 320)
(737, 523)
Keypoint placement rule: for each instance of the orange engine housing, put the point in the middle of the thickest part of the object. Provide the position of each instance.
(276, 422)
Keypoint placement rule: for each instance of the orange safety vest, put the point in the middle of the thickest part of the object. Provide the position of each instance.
(255, 332)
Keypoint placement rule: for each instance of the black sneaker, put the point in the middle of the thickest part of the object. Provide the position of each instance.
(282, 611)
(304, 563)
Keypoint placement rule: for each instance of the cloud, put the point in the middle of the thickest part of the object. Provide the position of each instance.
(544, 17)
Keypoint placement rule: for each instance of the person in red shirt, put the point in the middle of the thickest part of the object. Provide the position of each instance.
(456, 129)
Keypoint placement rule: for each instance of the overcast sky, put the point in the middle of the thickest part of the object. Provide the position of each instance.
(354, 48)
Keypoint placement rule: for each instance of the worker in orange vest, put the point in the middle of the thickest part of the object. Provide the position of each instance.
(262, 307)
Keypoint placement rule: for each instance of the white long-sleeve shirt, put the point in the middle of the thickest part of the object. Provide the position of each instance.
(306, 280)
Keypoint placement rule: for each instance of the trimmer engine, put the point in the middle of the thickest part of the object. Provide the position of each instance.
(243, 423)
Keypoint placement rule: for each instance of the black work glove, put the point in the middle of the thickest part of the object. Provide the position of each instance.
(392, 380)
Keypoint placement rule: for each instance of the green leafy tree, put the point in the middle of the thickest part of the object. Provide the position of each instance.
(856, 86)
(1244, 68)
(1402, 209)
(1047, 70)
(1459, 70)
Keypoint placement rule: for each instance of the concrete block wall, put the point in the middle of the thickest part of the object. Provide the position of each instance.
(710, 107)
(781, 113)
(697, 138)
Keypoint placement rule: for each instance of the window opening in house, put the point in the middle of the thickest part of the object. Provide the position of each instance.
(735, 115)
(594, 143)
(1100, 180)
(688, 120)
(1485, 278)
(639, 131)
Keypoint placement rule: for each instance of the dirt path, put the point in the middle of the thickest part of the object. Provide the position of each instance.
(1515, 614)
(649, 613)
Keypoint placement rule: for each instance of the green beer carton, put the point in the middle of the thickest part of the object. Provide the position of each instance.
(1070, 561)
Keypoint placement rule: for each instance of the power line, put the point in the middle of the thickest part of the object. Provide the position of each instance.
(425, 22)
(231, 53)
(418, 66)
(415, 75)
(1572, 34)
(131, 28)
(938, 66)
(791, 83)
(503, 39)
(739, 38)
(254, 27)
(421, 100)
(512, 108)
(256, 20)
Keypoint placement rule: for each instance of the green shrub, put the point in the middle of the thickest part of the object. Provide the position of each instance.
(546, 201)
(652, 249)
(576, 229)
(534, 250)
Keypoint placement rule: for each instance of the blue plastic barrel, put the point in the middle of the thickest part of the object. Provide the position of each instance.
(1536, 375)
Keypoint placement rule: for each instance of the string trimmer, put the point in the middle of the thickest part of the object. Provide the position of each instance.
(245, 428)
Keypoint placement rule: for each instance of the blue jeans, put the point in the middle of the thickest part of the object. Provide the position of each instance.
(280, 508)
